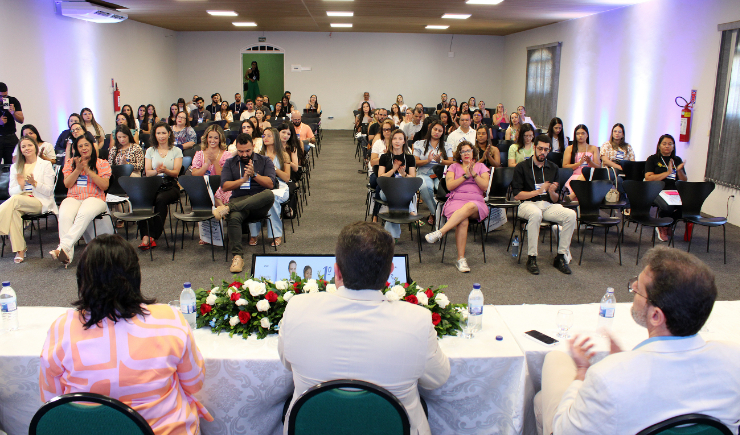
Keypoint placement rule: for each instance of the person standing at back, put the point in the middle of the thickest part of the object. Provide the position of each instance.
(10, 113)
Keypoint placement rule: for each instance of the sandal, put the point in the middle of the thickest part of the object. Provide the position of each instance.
(252, 241)
(59, 254)
(18, 258)
(203, 242)
(277, 242)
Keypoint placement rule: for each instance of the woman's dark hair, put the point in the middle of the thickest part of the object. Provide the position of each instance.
(315, 102)
(109, 281)
(488, 136)
(287, 107)
(561, 136)
(130, 121)
(256, 132)
(154, 116)
(171, 118)
(125, 130)
(93, 154)
(362, 110)
(461, 111)
(129, 108)
(94, 123)
(139, 109)
(255, 70)
(458, 157)
(293, 143)
(428, 138)
(666, 136)
(184, 104)
(422, 133)
(79, 119)
(397, 113)
(574, 151)
(153, 137)
(33, 129)
(622, 143)
(306, 269)
(449, 120)
(520, 139)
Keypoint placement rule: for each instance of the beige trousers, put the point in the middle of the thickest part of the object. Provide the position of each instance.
(558, 372)
(11, 223)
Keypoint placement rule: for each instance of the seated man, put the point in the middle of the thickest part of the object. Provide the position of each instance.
(304, 133)
(534, 184)
(673, 372)
(374, 128)
(200, 114)
(355, 333)
(250, 177)
(366, 97)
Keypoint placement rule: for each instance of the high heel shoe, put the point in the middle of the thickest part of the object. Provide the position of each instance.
(18, 258)
(59, 254)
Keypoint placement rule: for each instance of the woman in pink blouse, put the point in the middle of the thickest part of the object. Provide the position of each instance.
(140, 353)
(210, 160)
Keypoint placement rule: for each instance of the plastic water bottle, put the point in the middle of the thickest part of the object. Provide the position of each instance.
(606, 310)
(9, 307)
(475, 309)
(515, 247)
(187, 304)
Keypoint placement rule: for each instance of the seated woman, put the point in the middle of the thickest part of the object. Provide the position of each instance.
(152, 363)
(429, 153)
(580, 155)
(499, 116)
(489, 154)
(454, 118)
(278, 113)
(173, 113)
(524, 146)
(397, 162)
(558, 141)
(262, 124)
(273, 148)
(408, 114)
(467, 182)
(364, 118)
(224, 114)
(183, 133)
(132, 125)
(122, 119)
(150, 118)
(512, 133)
(210, 160)
(125, 151)
(256, 134)
(163, 159)
(313, 105)
(93, 127)
(182, 106)
(31, 187)
(399, 101)
(465, 108)
(65, 138)
(76, 131)
(381, 146)
(141, 118)
(446, 120)
(482, 107)
(616, 149)
(45, 149)
(266, 103)
(396, 115)
(667, 167)
(86, 178)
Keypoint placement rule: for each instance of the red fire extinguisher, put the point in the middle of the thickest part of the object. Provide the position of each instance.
(685, 132)
(117, 99)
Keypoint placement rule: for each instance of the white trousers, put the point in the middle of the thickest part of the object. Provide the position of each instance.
(535, 212)
(558, 372)
(75, 217)
(11, 220)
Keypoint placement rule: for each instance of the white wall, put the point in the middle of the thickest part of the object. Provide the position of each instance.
(627, 66)
(345, 64)
(56, 65)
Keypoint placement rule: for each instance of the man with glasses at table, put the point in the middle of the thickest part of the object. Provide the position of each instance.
(673, 372)
(535, 185)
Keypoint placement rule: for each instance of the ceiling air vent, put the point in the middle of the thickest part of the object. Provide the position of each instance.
(90, 12)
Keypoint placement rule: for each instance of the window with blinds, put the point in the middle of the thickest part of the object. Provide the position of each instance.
(543, 74)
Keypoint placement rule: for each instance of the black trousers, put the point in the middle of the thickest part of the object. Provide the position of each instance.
(161, 206)
(241, 210)
(7, 146)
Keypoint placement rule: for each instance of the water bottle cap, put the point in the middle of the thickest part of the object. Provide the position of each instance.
(6, 283)
(476, 286)
(610, 290)
(186, 285)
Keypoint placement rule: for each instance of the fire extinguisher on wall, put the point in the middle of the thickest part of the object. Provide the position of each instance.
(685, 132)
(117, 99)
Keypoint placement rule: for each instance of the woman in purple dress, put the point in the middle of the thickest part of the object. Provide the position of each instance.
(467, 182)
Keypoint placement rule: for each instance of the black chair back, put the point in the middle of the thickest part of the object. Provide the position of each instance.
(399, 192)
(641, 195)
(693, 195)
(141, 191)
(487, 121)
(704, 425)
(236, 125)
(599, 173)
(503, 145)
(556, 158)
(439, 171)
(501, 181)
(215, 182)
(60, 190)
(633, 170)
(118, 171)
(4, 182)
(195, 187)
(590, 195)
(563, 175)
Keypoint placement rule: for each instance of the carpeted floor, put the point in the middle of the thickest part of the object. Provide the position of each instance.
(337, 198)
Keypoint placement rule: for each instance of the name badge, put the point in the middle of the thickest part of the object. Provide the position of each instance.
(298, 135)
(28, 187)
(200, 120)
(161, 175)
(538, 186)
(82, 181)
(247, 185)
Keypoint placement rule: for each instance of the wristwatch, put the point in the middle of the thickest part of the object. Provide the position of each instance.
(465, 176)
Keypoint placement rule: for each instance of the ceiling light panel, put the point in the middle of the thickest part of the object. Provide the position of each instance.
(223, 13)
(341, 24)
(339, 14)
(437, 27)
(457, 16)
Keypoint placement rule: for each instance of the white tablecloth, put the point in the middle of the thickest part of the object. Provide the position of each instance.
(246, 385)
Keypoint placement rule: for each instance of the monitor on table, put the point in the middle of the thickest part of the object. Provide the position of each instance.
(276, 267)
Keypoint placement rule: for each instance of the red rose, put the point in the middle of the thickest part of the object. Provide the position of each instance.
(271, 296)
(429, 293)
(244, 316)
(236, 284)
(406, 285)
(205, 309)
(387, 284)
(412, 299)
(436, 318)
(235, 296)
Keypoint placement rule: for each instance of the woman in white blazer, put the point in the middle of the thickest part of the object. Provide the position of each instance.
(31, 187)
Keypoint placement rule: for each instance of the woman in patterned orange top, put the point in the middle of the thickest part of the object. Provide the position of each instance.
(120, 344)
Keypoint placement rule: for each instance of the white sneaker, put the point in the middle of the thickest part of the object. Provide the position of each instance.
(462, 265)
(434, 237)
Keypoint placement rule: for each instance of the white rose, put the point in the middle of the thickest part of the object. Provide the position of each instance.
(211, 299)
(240, 302)
(265, 323)
(423, 298)
(399, 291)
(311, 287)
(215, 290)
(442, 300)
(230, 291)
(287, 296)
(281, 285)
(257, 288)
(247, 283)
(331, 288)
(391, 296)
(263, 305)
(234, 320)
(311, 281)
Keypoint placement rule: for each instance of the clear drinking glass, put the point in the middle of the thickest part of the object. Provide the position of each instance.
(564, 322)
(174, 304)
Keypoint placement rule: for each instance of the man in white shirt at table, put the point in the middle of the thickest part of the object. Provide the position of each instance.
(356, 333)
(673, 372)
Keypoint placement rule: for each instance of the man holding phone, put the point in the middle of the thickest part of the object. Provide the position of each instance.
(10, 113)
(250, 177)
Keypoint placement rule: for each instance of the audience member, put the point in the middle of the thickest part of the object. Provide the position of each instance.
(76, 131)
(129, 111)
(93, 127)
(471, 105)
(446, 120)
(374, 128)
(558, 141)
(674, 371)
(411, 128)
(173, 113)
(443, 105)
(302, 131)
(8, 118)
(524, 119)
(224, 114)
(262, 123)
(500, 115)
(477, 119)
(182, 106)
(667, 167)
(45, 149)
(616, 149)
(453, 102)
(163, 159)
(429, 153)
(212, 156)
(278, 113)
(320, 330)
(524, 146)
(192, 104)
(401, 104)
(408, 113)
(259, 104)
(200, 114)
(251, 81)
(381, 145)
(488, 153)
(455, 117)
(122, 119)
(464, 133)
(185, 137)
(86, 178)
(126, 151)
(248, 112)
(151, 117)
(535, 184)
(65, 138)
(31, 189)
(364, 118)
(215, 105)
(366, 98)
(512, 133)
(266, 102)
(287, 106)
(292, 104)
(250, 177)
(482, 107)
(313, 105)
(581, 154)
(237, 107)
(464, 108)
(397, 162)
(140, 117)
(297, 158)
(152, 363)
(254, 132)
(396, 115)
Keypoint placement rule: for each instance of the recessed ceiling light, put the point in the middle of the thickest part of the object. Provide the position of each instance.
(457, 16)
(339, 0)
(223, 13)
(341, 24)
(339, 14)
(244, 23)
(483, 2)
(437, 27)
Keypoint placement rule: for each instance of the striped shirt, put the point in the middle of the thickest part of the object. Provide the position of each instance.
(81, 190)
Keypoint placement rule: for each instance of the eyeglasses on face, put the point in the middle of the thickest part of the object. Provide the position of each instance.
(466, 151)
(631, 287)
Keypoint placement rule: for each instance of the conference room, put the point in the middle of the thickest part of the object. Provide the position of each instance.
(619, 61)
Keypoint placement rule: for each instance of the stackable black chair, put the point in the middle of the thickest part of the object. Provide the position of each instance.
(641, 195)
(693, 195)
(141, 194)
(590, 198)
(633, 170)
(399, 192)
(201, 210)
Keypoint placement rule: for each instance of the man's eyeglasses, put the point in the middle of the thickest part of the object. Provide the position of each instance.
(631, 287)
(543, 149)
